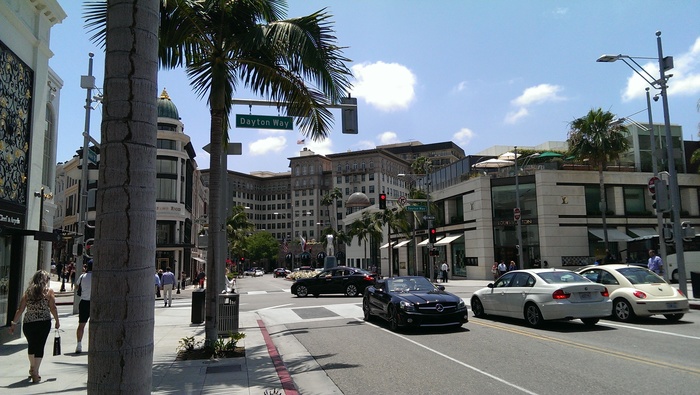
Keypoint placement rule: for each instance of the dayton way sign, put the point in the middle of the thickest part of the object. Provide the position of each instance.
(264, 122)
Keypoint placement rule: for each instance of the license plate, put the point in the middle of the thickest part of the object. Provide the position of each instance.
(584, 295)
(671, 305)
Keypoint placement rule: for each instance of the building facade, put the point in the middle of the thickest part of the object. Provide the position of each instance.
(29, 105)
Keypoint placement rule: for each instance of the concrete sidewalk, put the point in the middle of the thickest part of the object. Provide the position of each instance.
(67, 374)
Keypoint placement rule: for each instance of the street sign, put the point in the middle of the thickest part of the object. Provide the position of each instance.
(92, 157)
(417, 208)
(428, 217)
(264, 122)
(516, 214)
(652, 184)
(402, 200)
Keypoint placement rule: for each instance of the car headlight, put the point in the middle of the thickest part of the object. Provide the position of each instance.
(461, 304)
(406, 306)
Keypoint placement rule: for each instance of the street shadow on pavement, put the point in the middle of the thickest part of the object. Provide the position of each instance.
(572, 326)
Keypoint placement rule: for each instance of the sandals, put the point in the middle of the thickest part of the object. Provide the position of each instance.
(35, 378)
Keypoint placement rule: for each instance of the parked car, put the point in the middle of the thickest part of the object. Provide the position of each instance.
(255, 272)
(350, 281)
(543, 294)
(637, 291)
(413, 301)
(281, 272)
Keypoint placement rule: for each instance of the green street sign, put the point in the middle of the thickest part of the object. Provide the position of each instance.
(416, 208)
(264, 122)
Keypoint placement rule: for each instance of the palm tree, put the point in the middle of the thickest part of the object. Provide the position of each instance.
(395, 221)
(223, 44)
(366, 228)
(594, 137)
(331, 199)
(238, 227)
(122, 319)
(422, 165)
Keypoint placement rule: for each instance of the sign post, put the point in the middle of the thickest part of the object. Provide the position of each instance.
(516, 214)
(652, 184)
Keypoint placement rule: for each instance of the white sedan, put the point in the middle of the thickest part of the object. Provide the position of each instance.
(636, 291)
(543, 294)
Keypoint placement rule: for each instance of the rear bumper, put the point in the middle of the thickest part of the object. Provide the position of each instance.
(644, 307)
(566, 310)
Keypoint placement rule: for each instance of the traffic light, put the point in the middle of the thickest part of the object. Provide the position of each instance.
(242, 260)
(432, 235)
(660, 200)
(434, 252)
(382, 201)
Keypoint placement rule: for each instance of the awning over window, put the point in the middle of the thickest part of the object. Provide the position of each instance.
(613, 234)
(447, 240)
(199, 259)
(423, 243)
(387, 245)
(402, 243)
(644, 232)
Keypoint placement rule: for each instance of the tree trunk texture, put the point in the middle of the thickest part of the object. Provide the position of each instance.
(120, 352)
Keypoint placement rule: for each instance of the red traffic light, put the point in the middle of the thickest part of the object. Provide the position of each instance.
(432, 235)
(382, 201)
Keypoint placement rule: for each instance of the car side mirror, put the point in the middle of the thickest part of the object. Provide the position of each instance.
(441, 287)
(490, 285)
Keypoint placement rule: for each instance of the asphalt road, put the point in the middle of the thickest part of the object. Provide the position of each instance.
(491, 355)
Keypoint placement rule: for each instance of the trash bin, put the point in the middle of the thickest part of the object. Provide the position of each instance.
(695, 282)
(227, 316)
(198, 306)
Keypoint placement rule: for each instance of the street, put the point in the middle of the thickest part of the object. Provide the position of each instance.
(491, 355)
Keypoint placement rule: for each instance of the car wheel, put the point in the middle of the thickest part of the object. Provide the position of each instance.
(533, 316)
(590, 321)
(351, 290)
(477, 308)
(673, 317)
(622, 310)
(366, 312)
(393, 319)
(675, 277)
(302, 291)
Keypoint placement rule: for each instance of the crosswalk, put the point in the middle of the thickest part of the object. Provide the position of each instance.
(291, 315)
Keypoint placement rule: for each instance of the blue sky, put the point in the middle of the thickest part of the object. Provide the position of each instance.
(479, 73)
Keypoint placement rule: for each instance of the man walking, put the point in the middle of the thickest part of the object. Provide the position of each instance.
(445, 268)
(655, 264)
(168, 283)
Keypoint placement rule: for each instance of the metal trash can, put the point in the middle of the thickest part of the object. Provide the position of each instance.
(695, 282)
(227, 309)
(198, 301)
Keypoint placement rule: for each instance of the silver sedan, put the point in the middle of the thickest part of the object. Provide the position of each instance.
(543, 294)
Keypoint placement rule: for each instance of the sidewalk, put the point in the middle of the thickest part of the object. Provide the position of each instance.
(67, 374)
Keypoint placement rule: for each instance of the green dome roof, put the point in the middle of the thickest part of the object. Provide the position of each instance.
(166, 108)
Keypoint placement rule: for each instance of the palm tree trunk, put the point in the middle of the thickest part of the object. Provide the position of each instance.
(121, 324)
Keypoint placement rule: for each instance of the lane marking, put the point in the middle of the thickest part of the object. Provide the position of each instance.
(466, 365)
(586, 347)
(653, 331)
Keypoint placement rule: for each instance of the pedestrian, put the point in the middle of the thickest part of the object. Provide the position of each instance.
(71, 274)
(157, 282)
(655, 264)
(183, 280)
(502, 268)
(444, 268)
(436, 272)
(40, 302)
(494, 270)
(200, 278)
(84, 288)
(512, 266)
(167, 284)
(160, 281)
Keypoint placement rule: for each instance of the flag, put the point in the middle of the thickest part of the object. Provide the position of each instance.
(303, 243)
(286, 247)
(302, 141)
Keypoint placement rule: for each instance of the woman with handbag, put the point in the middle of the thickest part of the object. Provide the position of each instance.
(40, 302)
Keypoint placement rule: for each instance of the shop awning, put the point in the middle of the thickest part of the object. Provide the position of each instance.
(423, 243)
(613, 234)
(402, 243)
(387, 245)
(199, 259)
(447, 240)
(644, 232)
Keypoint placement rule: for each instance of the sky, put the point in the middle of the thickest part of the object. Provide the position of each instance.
(478, 73)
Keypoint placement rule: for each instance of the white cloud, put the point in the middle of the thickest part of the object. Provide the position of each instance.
(463, 137)
(462, 86)
(388, 138)
(365, 144)
(386, 86)
(266, 145)
(514, 116)
(534, 95)
(685, 80)
(323, 147)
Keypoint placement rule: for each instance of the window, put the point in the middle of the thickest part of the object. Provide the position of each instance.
(634, 200)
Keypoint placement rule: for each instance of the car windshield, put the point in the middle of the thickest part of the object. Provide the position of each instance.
(413, 284)
(556, 277)
(640, 275)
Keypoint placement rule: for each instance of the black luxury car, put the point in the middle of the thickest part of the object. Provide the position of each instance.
(350, 281)
(413, 301)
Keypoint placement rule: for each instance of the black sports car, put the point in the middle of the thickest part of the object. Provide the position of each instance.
(350, 281)
(413, 301)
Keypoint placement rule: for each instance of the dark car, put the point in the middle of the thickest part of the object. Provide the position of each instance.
(350, 281)
(281, 272)
(413, 301)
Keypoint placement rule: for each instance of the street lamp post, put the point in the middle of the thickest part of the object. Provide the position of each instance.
(664, 65)
(431, 258)
(518, 213)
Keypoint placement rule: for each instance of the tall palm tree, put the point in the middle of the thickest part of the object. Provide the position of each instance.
(237, 229)
(594, 137)
(395, 221)
(122, 318)
(331, 199)
(366, 228)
